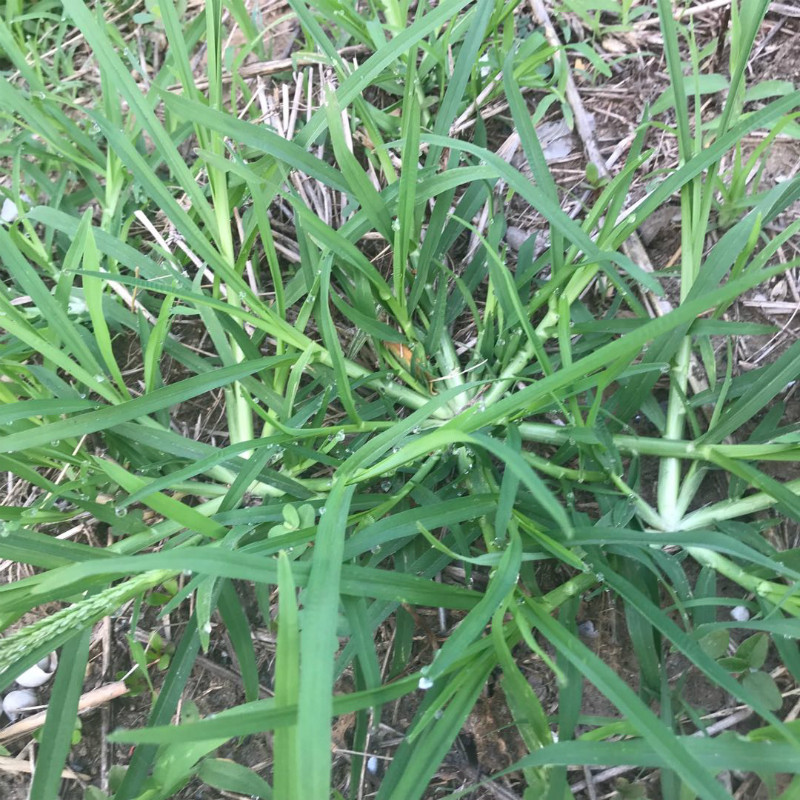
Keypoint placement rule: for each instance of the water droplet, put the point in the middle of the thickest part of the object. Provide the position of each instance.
(386, 486)
(339, 436)
(119, 511)
(375, 550)
(322, 510)
(425, 683)
(207, 627)
(99, 378)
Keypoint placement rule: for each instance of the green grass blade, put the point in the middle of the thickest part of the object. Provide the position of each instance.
(140, 105)
(676, 755)
(228, 776)
(499, 589)
(138, 407)
(287, 761)
(164, 707)
(317, 645)
(238, 627)
(62, 714)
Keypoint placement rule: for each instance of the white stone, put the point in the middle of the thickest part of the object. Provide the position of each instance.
(9, 212)
(740, 613)
(39, 673)
(15, 702)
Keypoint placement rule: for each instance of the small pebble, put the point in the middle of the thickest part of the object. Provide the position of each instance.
(9, 212)
(17, 702)
(516, 237)
(587, 629)
(740, 613)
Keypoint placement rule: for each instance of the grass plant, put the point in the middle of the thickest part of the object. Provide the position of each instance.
(329, 420)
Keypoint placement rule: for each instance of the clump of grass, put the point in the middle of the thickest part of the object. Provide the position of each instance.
(398, 399)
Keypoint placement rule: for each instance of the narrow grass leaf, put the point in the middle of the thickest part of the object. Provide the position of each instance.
(474, 41)
(142, 107)
(287, 758)
(238, 628)
(717, 754)
(414, 764)
(62, 716)
(772, 380)
(228, 776)
(263, 715)
(501, 584)
(138, 407)
(318, 644)
(331, 338)
(676, 755)
(170, 694)
(690, 648)
(359, 185)
(260, 137)
(355, 84)
(517, 464)
(406, 235)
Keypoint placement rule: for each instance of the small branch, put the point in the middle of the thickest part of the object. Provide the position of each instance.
(88, 701)
(16, 765)
(265, 68)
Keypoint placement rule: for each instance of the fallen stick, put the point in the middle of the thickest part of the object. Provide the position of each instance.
(17, 765)
(88, 701)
